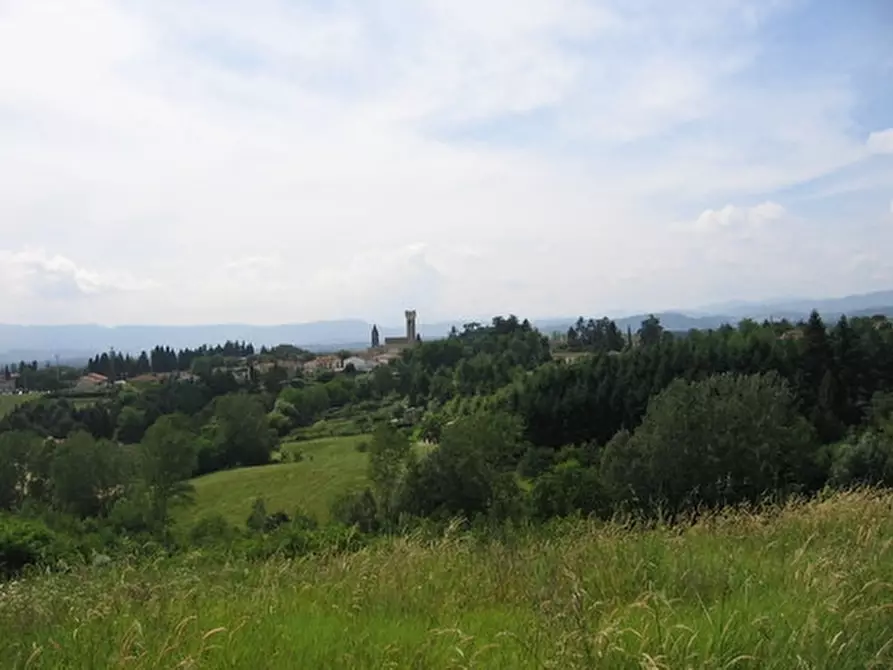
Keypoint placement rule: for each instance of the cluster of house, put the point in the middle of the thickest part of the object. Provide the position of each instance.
(94, 381)
(357, 362)
(8, 386)
(361, 361)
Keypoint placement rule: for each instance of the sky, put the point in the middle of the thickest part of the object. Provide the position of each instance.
(279, 161)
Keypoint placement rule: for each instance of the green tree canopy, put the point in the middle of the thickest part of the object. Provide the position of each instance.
(169, 457)
(242, 432)
(726, 439)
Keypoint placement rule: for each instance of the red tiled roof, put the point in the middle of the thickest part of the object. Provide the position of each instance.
(95, 377)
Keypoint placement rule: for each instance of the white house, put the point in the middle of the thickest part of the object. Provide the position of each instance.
(359, 364)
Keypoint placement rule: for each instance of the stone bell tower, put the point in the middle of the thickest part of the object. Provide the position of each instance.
(410, 326)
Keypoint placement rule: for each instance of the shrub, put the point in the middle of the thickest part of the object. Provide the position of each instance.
(258, 517)
(213, 529)
(867, 461)
(275, 520)
(568, 488)
(279, 422)
(25, 542)
(291, 541)
(292, 456)
(357, 508)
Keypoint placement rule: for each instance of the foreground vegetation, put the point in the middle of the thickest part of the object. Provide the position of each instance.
(803, 586)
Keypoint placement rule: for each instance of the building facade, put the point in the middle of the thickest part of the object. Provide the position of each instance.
(398, 343)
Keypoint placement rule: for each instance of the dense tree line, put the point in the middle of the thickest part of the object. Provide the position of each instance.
(163, 359)
(722, 440)
(834, 374)
(597, 335)
(33, 377)
(85, 474)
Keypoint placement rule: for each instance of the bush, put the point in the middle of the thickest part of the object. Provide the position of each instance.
(275, 520)
(292, 541)
(566, 489)
(867, 461)
(292, 456)
(213, 529)
(257, 520)
(357, 508)
(25, 542)
(132, 514)
(279, 422)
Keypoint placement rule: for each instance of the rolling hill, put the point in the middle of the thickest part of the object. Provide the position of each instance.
(329, 467)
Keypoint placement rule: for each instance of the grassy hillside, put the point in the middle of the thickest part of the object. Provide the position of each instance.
(329, 467)
(808, 586)
(9, 402)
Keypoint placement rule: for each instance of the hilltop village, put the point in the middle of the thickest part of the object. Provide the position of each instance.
(283, 361)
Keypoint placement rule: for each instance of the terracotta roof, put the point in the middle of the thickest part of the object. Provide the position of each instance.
(148, 377)
(94, 377)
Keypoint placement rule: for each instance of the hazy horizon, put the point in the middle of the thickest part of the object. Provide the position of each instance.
(732, 307)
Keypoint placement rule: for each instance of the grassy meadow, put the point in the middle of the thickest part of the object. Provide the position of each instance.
(809, 585)
(328, 467)
(9, 402)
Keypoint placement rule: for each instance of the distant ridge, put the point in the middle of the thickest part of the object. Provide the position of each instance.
(862, 302)
(75, 343)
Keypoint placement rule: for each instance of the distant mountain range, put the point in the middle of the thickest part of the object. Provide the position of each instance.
(73, 344)
(863, 303)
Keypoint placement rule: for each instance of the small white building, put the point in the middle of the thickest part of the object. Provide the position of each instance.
(359, 364)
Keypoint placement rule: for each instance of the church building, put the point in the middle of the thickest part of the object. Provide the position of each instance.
(395, 344)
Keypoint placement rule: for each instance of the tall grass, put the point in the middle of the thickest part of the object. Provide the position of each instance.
(809, 585)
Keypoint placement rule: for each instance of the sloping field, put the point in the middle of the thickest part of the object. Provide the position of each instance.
(807, 586)
(329, 467)
(9, 402)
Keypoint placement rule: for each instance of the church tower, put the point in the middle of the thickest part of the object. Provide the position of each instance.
(410, 326)
(375, 338)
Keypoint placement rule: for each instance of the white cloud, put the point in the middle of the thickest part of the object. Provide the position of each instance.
(732, 216)
(36, 274)
(295, 162)
(881, 142)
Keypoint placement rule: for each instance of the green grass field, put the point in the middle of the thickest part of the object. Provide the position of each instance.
(329, 467)
(9, 402)
(807, 586)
